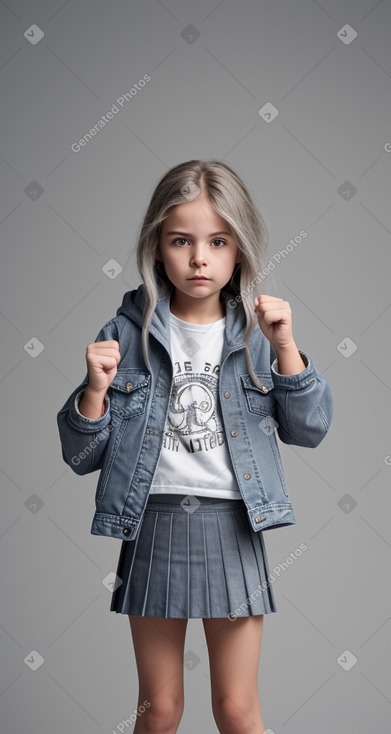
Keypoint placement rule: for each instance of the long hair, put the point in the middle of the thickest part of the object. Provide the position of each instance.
(231, 200)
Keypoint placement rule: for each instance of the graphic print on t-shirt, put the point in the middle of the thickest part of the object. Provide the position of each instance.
(194, 457)
(193, 420)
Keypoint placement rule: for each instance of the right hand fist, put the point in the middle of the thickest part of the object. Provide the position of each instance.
(102, 360)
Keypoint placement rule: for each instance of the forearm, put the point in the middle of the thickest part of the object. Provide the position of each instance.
(92, 404)
(289, 360)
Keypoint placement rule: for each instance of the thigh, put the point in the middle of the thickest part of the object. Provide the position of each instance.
(234, 649)
(158, 646)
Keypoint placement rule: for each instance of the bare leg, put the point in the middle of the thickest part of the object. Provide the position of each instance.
(234, 649)
(159, 645)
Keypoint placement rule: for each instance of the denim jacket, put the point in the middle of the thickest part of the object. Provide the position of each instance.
(125, 442)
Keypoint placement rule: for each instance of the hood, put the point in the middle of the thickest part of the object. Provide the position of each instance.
(133, 307)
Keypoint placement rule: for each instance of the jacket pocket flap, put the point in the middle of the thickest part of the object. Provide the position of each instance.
(265, 379)
(259, 400)
(127, 380)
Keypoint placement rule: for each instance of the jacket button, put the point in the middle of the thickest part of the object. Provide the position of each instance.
(126, 531)
(227, 394)
(247, 476)
(234, 432)
(129, 386)
(264, 388)
(259, 519)
(137, 479)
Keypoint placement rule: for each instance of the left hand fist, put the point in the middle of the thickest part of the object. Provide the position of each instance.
(275, 320)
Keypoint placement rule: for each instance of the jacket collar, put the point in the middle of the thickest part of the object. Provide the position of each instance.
(133, 304)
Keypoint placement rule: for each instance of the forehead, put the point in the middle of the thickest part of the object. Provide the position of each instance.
(197, 215)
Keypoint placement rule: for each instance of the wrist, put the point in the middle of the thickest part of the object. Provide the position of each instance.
(97, 392)
(289, 359)
(286, 348)
(93, 404)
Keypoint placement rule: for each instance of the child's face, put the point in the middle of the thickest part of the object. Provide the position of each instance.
(194, 240)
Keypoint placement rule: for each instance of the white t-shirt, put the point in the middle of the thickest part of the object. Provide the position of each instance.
(194, 458)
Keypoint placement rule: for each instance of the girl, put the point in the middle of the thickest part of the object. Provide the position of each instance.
(186, 389)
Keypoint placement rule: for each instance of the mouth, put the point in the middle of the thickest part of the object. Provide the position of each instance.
(198, 277)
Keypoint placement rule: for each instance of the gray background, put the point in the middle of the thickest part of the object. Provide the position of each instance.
(202, 102)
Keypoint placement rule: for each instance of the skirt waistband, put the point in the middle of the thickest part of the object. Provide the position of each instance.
(192, 502)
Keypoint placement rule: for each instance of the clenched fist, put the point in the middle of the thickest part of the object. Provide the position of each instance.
(102, 359)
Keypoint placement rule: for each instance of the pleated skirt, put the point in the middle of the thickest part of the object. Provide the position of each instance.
(194, 557)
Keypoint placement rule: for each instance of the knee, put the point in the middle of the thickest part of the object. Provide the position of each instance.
(163, 715)
(236, 714)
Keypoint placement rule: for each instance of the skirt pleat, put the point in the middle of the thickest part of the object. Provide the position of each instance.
(202, 563)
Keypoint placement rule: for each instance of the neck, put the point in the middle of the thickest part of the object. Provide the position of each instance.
(197, 311)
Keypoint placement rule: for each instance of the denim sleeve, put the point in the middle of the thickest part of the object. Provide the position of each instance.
(304, 404)
(84, 440)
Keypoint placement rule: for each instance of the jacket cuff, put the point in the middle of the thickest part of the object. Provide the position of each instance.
(300, 379)
(81, 421)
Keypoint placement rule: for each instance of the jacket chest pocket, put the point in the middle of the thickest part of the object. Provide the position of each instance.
(129, 392)
(259, 399)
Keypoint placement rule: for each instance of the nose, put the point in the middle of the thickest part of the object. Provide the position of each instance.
(198, 254)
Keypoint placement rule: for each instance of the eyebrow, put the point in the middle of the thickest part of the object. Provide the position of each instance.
(186, 234)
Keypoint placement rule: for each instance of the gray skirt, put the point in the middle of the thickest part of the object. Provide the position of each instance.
(193, 557)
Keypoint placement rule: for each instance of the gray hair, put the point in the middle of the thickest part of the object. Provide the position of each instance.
(231, 200)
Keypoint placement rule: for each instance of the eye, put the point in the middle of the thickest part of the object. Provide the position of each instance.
(222, 241)
(179, 239)
(184, 240)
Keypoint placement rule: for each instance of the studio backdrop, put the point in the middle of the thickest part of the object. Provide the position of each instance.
(98, 100)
